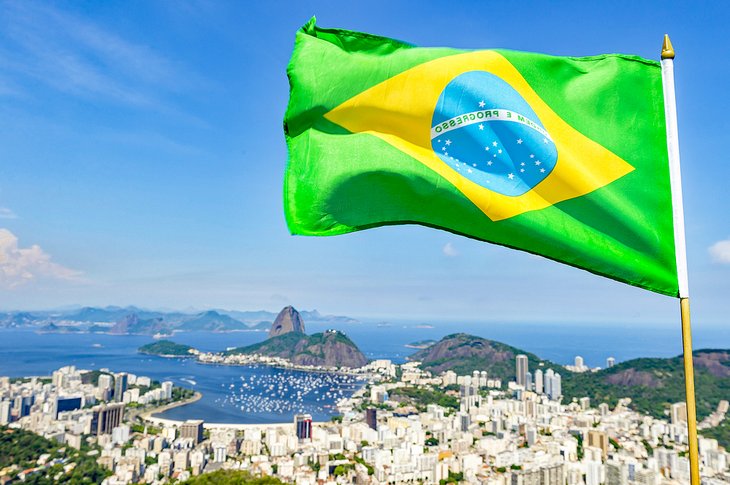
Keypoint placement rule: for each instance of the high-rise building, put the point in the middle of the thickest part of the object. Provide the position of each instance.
(556, 388)
(106, 417)
(378, 394)
(521, 371)
(599, 439)
(552, 384)
(120, 385)
(548, 381)
(610, 362)
(105, 382)
(679, 412)
(603, 409)
(192, 429)
(23, 405)
(64, 404)
(167, 389)
(528, 381)
(469, 394)
(593, 473)
(303, 425)
(5, 416)
(464, 421)
(371, 418)
(538, 381)
(579, 362)
(219, 453)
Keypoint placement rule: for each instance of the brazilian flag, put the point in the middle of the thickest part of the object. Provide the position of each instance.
(558, 156)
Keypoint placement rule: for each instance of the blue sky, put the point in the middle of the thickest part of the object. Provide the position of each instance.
(142, 157)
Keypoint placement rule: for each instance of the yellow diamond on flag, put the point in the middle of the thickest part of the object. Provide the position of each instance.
(550, 163)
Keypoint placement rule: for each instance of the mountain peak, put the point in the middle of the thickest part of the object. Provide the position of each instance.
(288, 320)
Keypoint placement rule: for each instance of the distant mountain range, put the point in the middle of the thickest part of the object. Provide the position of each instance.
(132, 320)
(287, 340)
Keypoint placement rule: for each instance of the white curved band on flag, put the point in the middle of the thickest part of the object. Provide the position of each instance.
(483, 116)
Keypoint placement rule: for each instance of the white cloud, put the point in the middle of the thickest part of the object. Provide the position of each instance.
(720, 251)
(449, 250)
(6, 213)
(20, 266)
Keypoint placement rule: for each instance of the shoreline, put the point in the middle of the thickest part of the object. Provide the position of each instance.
(147, 415)
(284, 366)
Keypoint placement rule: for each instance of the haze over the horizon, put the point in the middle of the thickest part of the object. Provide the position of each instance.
(142, 162)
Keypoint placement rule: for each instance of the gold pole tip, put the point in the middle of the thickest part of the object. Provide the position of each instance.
(667, 49)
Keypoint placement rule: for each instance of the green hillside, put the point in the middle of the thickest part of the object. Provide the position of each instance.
(651, 383)
(23, 448)
(166, 347)
(330, 348)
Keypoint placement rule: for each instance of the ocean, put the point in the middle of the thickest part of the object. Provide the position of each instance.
(258, 394)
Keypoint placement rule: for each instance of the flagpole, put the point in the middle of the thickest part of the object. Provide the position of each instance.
(675, 176)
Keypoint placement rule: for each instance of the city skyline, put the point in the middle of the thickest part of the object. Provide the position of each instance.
(157, 181)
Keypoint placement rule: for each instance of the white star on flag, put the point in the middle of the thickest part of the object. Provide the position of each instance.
(448, 142)
(494, 143)
(519, 141)
(482, 104)
(538, 162)
(511, 176)
(481, 127)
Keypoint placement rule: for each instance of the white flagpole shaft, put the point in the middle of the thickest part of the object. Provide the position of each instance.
(675, 176)
(680, 249)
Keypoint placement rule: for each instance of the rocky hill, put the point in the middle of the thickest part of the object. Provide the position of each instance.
(212, 321)
(331, 348)
(288, 320)
(132, 324)
(463, 353)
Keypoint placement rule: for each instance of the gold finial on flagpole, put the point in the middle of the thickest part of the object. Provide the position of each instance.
(667, 49)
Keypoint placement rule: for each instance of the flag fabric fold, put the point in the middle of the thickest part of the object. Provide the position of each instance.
(557, 156)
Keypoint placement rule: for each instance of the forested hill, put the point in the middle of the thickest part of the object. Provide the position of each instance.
(651, 383)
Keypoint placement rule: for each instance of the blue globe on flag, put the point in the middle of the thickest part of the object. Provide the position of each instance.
(485, 130)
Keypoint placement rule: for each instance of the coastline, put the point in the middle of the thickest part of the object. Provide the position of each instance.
(148, 415)
(206, 358)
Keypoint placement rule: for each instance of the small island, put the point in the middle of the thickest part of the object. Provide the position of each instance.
(421, 344)
(167, 348)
